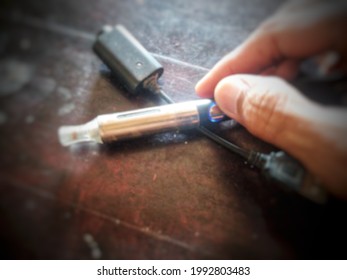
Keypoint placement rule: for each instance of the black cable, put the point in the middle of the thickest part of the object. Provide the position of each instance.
(165, 97)
(225, 143)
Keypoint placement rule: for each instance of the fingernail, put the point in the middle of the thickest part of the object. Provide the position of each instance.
(198, 86)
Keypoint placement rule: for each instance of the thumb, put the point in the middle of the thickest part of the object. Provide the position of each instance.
(268, 107)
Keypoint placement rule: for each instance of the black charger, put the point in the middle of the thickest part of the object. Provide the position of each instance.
(129, 61)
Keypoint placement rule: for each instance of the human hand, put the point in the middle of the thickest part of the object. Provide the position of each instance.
(276, 112)
(300, 29)
(272, 109)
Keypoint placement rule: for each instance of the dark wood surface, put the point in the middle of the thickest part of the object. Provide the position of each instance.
(169, 196)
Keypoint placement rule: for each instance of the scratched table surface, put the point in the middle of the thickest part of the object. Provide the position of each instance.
(175, 195)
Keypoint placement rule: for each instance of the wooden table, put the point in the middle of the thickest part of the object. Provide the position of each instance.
(176, 195)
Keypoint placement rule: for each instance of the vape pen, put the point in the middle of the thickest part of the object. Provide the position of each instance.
(133, 124)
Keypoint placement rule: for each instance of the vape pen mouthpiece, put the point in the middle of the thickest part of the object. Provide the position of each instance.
(88, 132)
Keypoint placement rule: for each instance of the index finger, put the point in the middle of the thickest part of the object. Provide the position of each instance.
(255, 54)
